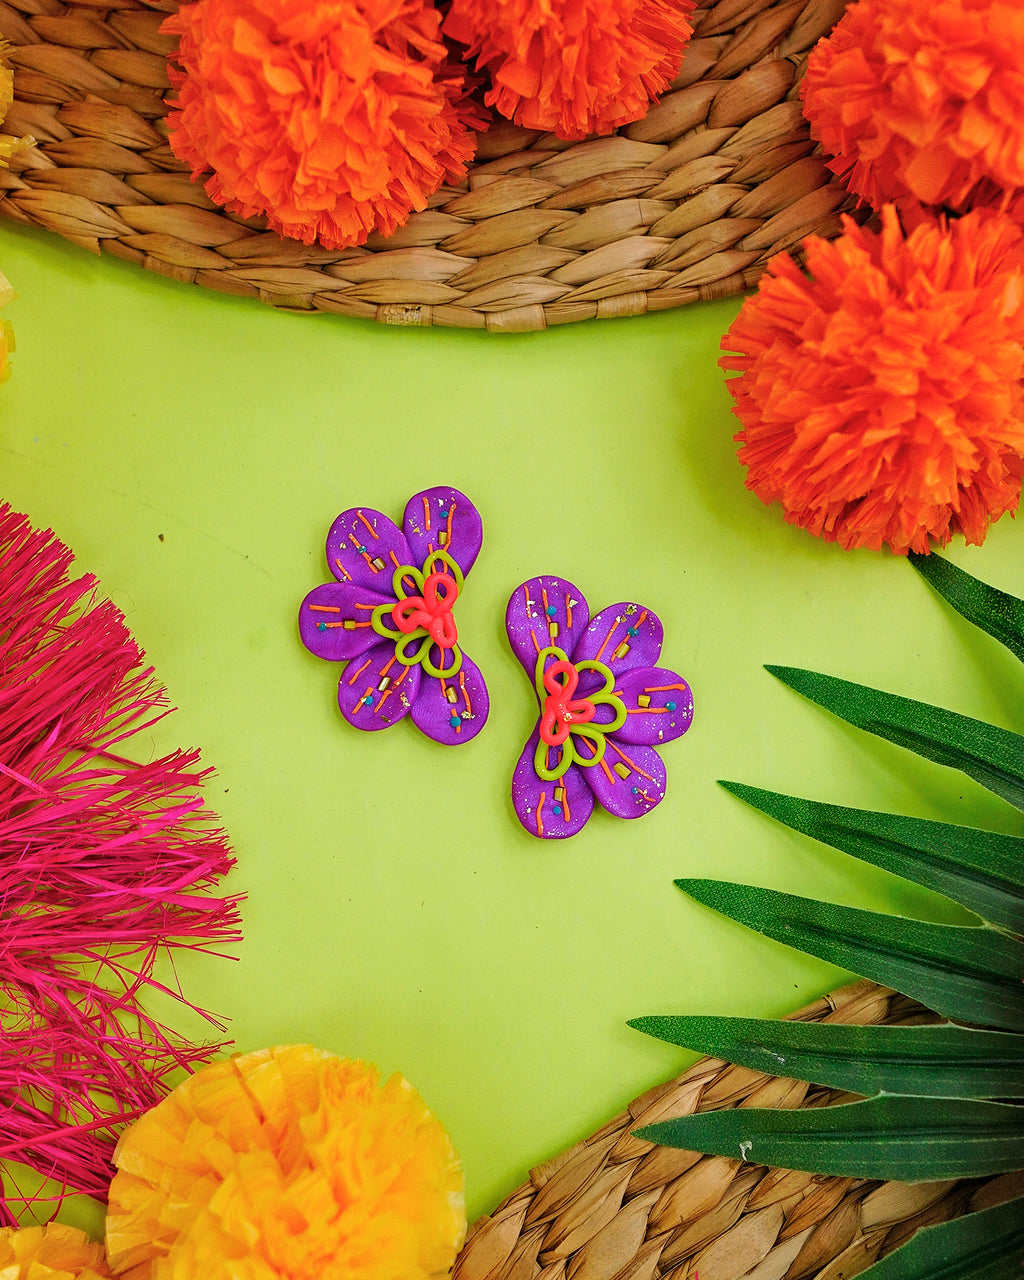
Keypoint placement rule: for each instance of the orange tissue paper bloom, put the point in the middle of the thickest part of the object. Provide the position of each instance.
(923, 99)
(334, 119)
(881, 395)
(53, 1252)
(286, 1164)
(573, 67)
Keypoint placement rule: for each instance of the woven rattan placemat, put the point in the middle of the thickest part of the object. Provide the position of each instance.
(687, 204)
(617, 1208)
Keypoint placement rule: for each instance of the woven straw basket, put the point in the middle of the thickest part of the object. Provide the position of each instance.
(687, 204)
(617, 1208)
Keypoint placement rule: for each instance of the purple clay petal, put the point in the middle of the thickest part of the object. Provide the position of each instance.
(326, 609)
(532, 625)
(383, 548)
(433, 712)
(535, 804)
(362, 678)
(607, 639)
(635, 794)
(443, 519)
(668, 714)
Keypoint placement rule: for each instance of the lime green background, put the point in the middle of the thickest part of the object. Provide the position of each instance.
(193, 450)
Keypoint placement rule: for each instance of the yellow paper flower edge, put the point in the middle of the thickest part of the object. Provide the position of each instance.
(287, 1163)
(51, 1252)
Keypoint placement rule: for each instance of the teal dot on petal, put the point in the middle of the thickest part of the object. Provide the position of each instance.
(455, 722)
(556, 809)
(551, 610)
(670, 706)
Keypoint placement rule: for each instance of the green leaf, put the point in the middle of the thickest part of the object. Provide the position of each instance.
(990, 755)
(996, 612)
(987, 1245)
(944, 1062)
(908, 1139)
(972, 974)
(982, 870)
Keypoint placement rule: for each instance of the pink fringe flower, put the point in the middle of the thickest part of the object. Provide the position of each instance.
(106, 865)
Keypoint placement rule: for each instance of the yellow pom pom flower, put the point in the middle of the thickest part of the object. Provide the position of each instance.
(53, 1252)
(8, 142)
(7, 294)
(287, 1164)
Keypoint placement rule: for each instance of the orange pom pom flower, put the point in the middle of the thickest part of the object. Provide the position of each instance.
(334, 119)
(573, 67)
(286, 1164)
(881, 398)
(53, 1252)
(922, 99)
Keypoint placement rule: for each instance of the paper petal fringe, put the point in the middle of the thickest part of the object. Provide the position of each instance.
(287, 1162)
(106, 866)
(53, 1252)
(880, 392)
(575, 67)
(920, 99)
(333, 121)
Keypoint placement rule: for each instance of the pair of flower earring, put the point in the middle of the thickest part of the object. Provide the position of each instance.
(605, 703)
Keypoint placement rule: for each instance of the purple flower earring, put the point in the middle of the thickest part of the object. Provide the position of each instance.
(389, 616)
(604, 707)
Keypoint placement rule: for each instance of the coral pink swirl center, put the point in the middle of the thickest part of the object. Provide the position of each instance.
(432, 611)
(561, 711)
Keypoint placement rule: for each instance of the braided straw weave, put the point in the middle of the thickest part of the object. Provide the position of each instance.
(617, 1208)
(687, 204)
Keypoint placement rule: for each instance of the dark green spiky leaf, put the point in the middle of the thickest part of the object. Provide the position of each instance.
(982, 870)
(908, 1139)
(946, 1062)
(996, 612)
(972, 974)
(987, 1245)
(990, 755)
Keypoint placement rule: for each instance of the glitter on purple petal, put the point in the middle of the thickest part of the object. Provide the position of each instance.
(604, 707)
(389, 616)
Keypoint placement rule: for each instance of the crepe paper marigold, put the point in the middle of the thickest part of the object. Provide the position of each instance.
(881, 395)
(605, 707)
(7, 294)
(8, 142)
(105, 867)
(390, 616)
(573, 67)
(286, 1164)
(922, 99)
(51, 1252)
(332, 119)
(8, 145)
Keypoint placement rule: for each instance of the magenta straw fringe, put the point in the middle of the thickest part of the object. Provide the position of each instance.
(106, 866)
